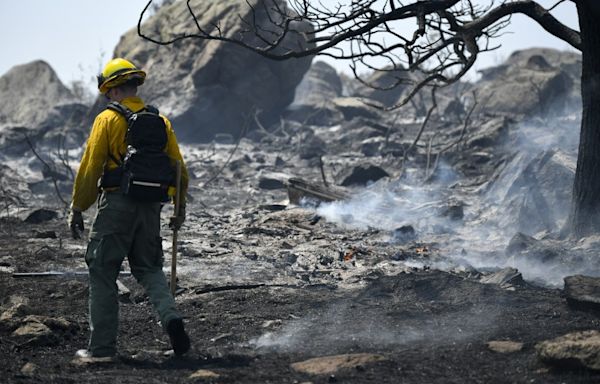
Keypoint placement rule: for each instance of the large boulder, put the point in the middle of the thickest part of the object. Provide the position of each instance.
(313, 99)
(389, 86)
(534, 193)
(206, 86)
(538, 81)
(37, 105)
(33, 90)
(583, 291)
(574, 350)
(320, 84)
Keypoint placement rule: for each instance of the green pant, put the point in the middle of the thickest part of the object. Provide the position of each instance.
(124, 227)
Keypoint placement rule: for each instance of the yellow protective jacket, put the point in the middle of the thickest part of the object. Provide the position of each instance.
(108, 137)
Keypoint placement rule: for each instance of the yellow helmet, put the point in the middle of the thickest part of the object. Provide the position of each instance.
(118, 71)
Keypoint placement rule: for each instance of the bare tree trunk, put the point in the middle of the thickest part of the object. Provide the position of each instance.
(585, 209)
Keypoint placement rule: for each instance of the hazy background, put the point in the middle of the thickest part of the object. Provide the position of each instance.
(77, 37)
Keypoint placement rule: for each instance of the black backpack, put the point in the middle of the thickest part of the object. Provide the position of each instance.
(145, 172)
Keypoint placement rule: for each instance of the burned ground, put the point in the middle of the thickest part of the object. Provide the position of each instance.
(331, 235)
(265, 284)
(430, 326)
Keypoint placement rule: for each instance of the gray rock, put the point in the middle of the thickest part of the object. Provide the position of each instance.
(324, 114)
(29, 369)
(526, 248)
(18, 308)
(207, 87)
(34, 90)
(361, 175)
(272, 180)
(504, 346)
(204, 374)
(311, 146)
(59, 324)
(326, 365)
(319, 86)
(583, 291)
(352, 107)
(124, 292)
(573, 350)
(520, 242)
(41, 108)
(532, 82)
(491, 133)
(453, 211)
(531, 199)
(379, 84)
(40, 216)
(404, 234)
(35, 333)
(504, 277)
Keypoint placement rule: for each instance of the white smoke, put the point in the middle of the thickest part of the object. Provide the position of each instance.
(339, 328)
(513, 201)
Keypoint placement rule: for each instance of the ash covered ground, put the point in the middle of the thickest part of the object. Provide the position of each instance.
(450, 269)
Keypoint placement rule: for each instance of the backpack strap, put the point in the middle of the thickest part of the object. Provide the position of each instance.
(121, 109)
(152, 109)
(127, 114)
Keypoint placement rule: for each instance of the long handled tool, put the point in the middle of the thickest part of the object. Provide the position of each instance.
(174, 247)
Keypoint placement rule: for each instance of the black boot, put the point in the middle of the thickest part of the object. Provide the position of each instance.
(179, 339)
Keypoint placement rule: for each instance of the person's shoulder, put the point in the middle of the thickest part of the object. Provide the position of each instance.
(107, 116)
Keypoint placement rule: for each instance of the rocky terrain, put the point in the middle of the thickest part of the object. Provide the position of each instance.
(326, 244)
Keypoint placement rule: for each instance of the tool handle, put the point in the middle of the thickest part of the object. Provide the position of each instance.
(174, 245)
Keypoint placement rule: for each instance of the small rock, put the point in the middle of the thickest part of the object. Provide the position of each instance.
(328, 365)
(41, 215)
(520, 242)
(45, 235)
(289, 258)
(271, 323)
(504, 277)
(326, 259)
(54, 323)
(19, 309)
(352, 107)
(29, 369)
(35, 333)
(404, 234)
(124, 292)
(505, 346)
(279, 162)
(361, 175)
(583, 292)
(204, 374)
(223, 138)
(573, 350)
(270, 183)
(454, 211)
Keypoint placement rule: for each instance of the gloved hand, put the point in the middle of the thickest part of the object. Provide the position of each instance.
(75, 221)
(175, 222)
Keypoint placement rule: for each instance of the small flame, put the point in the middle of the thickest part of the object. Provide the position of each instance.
(422, 250)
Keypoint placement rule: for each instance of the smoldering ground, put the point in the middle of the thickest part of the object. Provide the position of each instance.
(395, 270)
(529, 192)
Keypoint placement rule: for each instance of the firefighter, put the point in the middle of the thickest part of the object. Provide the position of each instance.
(123, 226)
